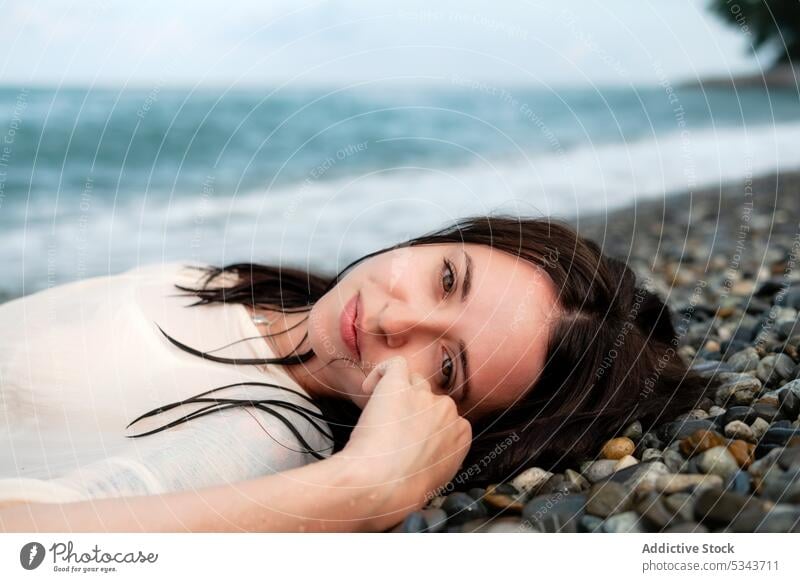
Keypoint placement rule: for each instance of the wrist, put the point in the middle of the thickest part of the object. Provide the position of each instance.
(383, 498)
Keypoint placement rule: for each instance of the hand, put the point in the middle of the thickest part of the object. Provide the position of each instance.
(408, 439)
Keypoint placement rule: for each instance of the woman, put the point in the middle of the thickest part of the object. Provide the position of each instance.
(417, 358)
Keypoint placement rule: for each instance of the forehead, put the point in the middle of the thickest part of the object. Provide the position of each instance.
(505, 323)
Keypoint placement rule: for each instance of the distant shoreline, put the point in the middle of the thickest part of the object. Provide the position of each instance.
(779, 77)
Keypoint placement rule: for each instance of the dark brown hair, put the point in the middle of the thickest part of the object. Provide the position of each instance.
(611, 356)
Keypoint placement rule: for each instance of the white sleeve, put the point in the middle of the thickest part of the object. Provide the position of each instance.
(223, 447)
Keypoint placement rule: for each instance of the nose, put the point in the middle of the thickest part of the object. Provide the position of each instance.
(399, 321)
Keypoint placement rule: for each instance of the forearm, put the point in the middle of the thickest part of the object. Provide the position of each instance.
(330, 495)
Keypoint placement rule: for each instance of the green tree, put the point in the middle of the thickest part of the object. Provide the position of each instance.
(773, 24)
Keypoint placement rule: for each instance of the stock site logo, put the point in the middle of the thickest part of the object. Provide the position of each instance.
(31, 555)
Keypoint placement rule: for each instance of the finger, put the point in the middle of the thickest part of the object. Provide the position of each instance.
(417, 378)
(396, 367)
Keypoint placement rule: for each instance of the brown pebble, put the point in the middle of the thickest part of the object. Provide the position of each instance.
(617, 448)
(742, 451)
(726, 311)
(699, 441)
(502, 500)
(770, 400)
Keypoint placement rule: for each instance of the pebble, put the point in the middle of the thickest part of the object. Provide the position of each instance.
(435, 518)
(777, 520)
(617, 448)
(608, 498)
(738, 482)
(779, 436)
(737, 429)
(718, 508)
(600, 469)
(461, 508)
(529, 480)
(793, 386)
(590, 523)
(742, 413)
(626, 522)
(654, 511)
(625, 462)
(759, 427)
(681, 505)
(788, 403)
(504, 496)
(782, 486)
(687, 527)
(742, 451)
(672, 483)
(682, 429)
(576, 479)
(744, 360)
(644, 476)
(775, 367)
(555, 511)
(789, 457)
(651, 455)
(700, 441)
(633, 431)
(717, 461)
(558, 484)
(673, 460)
(414, 523)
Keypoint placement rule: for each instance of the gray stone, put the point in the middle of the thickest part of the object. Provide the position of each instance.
(681, 505)
(673, 460)
(777, 520)
(718, 508)
(607, 498)
(717, 461)
(461, 508)
(413, 523)
(644, 476)
(633, 431)
(590, 523)
(687, 527)
(600, 469)
(793, 386)
(626, 522)
(435, 518)
(782, 486)
(779, 436)
(744, 360)
(555, 512)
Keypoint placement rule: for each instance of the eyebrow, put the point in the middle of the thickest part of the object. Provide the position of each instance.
(462, 347)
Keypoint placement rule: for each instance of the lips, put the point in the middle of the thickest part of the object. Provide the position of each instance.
(347, 327)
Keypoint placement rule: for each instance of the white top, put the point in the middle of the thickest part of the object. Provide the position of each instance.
(80, 361)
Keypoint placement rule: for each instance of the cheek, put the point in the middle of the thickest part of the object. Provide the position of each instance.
(319, 328)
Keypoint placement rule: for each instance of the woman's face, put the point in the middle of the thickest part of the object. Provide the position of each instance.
(426, 303)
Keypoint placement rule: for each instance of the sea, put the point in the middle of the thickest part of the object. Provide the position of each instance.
(94, 181)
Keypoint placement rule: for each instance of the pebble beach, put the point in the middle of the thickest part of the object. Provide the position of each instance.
(725, 261)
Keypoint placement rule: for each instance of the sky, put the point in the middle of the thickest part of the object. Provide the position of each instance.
(268, 42)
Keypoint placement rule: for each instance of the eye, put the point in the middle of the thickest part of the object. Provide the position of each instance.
(449, 375)
(448, 277)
